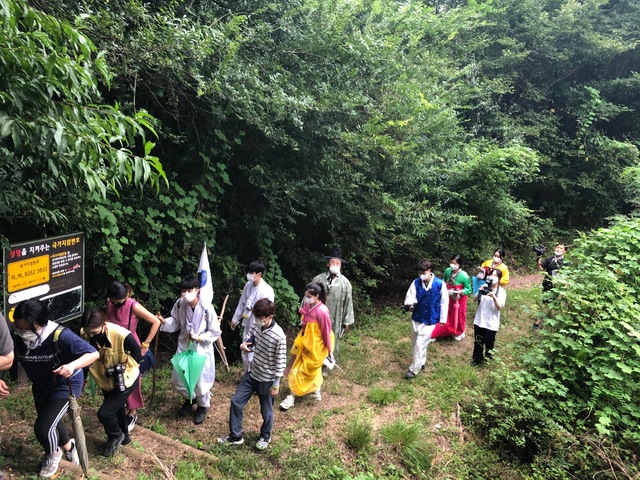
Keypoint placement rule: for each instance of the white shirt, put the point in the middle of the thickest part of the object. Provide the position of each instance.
(250, 295)
(488, 315)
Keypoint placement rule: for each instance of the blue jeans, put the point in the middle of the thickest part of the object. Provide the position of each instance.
(245, 391)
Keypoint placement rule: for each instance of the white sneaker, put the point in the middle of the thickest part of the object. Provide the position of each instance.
(131, 422)
(460, 337)
(72, 454)
(50, 464)
(229, 440)
(431, 340)
(288, 402)
(262, 443)
(317, 396)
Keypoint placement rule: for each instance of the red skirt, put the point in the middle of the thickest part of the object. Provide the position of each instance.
(456, 317)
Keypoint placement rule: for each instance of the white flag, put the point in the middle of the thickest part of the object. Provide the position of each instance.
(204, 273)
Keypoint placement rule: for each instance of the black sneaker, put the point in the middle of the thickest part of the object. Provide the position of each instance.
(186, 407)
(112, 445)
(200, 415)
(126, 441)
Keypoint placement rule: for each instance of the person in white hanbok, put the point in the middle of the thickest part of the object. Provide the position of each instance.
(199, 326)
(255, 289)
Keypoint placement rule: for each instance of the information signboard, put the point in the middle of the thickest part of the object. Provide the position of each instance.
(50, 270)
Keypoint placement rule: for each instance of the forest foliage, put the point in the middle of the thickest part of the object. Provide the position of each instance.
(395, 130)
(275, 130)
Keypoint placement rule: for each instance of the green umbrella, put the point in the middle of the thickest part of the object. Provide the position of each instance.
(189, 365)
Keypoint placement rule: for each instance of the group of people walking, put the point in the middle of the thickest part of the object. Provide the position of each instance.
(108, 346)
(56, 359)
(439, 307)
(326, 313)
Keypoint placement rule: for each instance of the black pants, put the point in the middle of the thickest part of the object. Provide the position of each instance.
(49, 427)
(112, 413)
(483, 339)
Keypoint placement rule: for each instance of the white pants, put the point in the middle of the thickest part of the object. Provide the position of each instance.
(247, 357)
(420, 336)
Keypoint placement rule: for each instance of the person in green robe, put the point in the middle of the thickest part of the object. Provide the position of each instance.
(339, 296)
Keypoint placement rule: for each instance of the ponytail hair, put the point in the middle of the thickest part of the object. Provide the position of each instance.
(119, 290)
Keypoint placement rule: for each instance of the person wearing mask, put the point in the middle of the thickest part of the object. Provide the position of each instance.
(498, 262)
(117, 373)
(458, 285)
(198, 325)
(428, 300)
(53, 358)
(255, 289)
(269, 343)
(313, 344)
(551, 266)
(491, 299)
(125, 311)
(339, 296)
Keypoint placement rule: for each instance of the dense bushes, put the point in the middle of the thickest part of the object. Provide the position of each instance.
(581, 383)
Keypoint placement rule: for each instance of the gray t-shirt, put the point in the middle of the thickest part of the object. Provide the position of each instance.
(6, 342)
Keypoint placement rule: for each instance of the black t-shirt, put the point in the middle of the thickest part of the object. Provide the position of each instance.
(551, 266)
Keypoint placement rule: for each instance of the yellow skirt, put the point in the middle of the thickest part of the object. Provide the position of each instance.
(309, 350)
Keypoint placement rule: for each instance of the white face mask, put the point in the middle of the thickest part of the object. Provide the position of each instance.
(189, 296)
(308, 299)
(454, 267)
(250, 277)
(261, 322)
(494, 280)
(497, 260)
(27, 336)
(334, 269)
(424, 277)
(558, 253)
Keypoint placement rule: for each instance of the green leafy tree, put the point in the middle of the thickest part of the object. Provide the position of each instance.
(560, 77)
(57, 144)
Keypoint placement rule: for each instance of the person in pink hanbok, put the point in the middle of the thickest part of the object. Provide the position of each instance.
(459, 287)
(126, 311)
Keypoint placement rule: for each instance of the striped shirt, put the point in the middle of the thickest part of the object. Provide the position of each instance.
(270, 353)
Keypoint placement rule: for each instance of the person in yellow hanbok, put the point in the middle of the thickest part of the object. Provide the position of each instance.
(313, 344)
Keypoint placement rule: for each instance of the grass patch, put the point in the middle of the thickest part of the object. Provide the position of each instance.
(358, 433)
(408, 443)
(382, 396)
(158, 427)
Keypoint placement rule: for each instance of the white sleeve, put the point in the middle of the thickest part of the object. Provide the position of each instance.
(172, 324)
(411, 298)
(237, 315)
(213, 332)
(444, 303)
